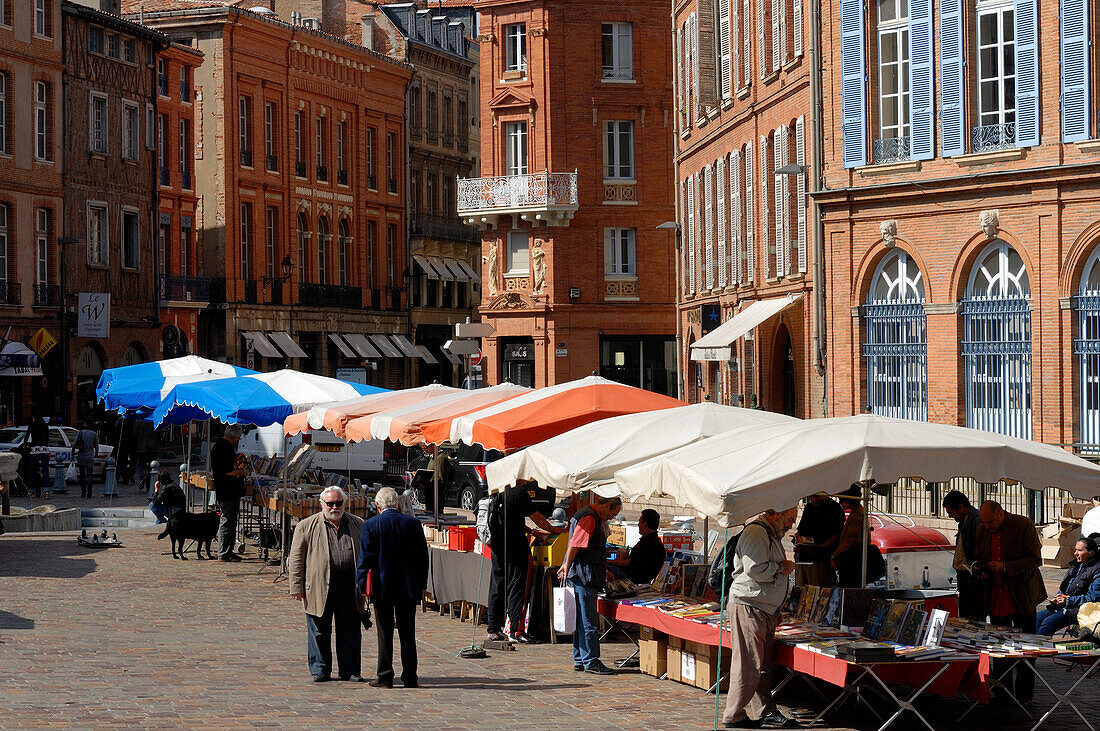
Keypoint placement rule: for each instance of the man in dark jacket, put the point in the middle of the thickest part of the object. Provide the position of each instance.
(971, 593)
(228, 489)
(36, 442)
(648, 554)
(394, 554)
(1007, 558)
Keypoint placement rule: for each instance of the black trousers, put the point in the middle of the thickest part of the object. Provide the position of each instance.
(401, 615)
(342, 607)
(508, 580)
(1025, 678)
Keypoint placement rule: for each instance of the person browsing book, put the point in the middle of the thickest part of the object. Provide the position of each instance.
(821, 523)
(228, 489)
(1081, 584)
(648, 554)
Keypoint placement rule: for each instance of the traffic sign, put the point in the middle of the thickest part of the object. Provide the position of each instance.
(475, 358)
(473, 330)
(42, 342)
(462, 347)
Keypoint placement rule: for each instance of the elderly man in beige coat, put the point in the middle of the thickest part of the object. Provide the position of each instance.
(323, 558)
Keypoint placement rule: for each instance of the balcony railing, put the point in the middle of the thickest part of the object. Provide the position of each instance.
(517, 191)
(890, 149)
(219, 293)
(372, 182)
(393, 185)
(11, 293)
(185, 180)
(273, 163)
(162, 84)
(246, 158)
(993, 137)
(250, 290)
(443, 228)
(330, 295)
(46, 295)
(165, 177)
(185, 91)
(322, 173)
(615, 72)
(177, 288)
(342, 177)
(300, 168)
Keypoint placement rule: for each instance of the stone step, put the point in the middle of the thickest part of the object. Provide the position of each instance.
(117, 513)
(117, 522)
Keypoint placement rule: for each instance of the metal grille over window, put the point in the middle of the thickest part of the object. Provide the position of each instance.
(1086, 346)
(896, 346)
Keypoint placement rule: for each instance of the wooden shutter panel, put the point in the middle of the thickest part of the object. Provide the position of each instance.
(708, 83)
(853, 81)
(735, 45)
(685, 270)
(797, 28)
(952, 114)
(725, 75)
(800, 199)
(1027, 73)
(780, 201)
(750, 216)
(697, 106)
(1075, 70)
(609, 251)
(678, 51)
(746, 46)
(691, 234)
(921, 112)
(761, 49)
(777, 32)
(720, 214)
(765, 210)
(737, 217)
(784, 158)
(708, 239)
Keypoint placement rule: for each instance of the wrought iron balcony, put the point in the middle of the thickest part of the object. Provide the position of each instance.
(441, 227)
(46, 295)
(246, 158)
(185, 91)
(322, 173)
(993, 137)
(165, 177)
(273, 163)
(300, 168)
(393, 185)
(250, 289)
(330, 295)
(11, 293)
(342, 177)
(890, 149)
(162, 84)
(547, 197)
(246, 294)
(177, 288)
(613, 72)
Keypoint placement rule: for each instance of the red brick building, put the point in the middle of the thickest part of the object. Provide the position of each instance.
(299, 164)
(745, 160)
(961, 214)
(577, 153)
(182, 290)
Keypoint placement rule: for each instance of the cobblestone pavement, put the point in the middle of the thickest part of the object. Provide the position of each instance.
(129, 637)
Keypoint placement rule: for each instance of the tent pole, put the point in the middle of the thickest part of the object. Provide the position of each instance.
(435, 486)
(866, 528)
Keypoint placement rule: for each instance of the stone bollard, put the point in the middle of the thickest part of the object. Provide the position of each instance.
(59, 484)
(109, 479)
(154, 468)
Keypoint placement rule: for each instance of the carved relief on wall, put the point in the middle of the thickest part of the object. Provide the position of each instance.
(511, 301)
(620, 192)
(517, 284)
(621, 288)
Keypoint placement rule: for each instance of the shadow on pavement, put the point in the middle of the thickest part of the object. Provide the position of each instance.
(482, 683)
(60, 558)
(14, 621)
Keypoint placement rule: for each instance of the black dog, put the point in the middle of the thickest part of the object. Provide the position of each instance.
(183, 526)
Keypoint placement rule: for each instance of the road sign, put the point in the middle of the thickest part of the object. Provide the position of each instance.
(473, 330)
(462, 347)
(475, 358)
(42, 342)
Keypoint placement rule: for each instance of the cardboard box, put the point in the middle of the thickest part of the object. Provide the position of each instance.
(1076, 510)
(653, 656)
(673, 658)
(648, 633)
(706, 665)
(1055, 553)
(616, 534)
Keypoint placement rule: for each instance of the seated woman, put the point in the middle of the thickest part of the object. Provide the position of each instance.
(168, 498)
(1080, 585)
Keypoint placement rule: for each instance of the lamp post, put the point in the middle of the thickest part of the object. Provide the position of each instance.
(287, 267)
(676, 285)
(63, 324)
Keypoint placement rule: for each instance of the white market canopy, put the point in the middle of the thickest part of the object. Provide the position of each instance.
(738, 474)
(586, 458)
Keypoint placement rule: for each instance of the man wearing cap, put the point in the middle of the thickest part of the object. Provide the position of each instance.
(817, 537)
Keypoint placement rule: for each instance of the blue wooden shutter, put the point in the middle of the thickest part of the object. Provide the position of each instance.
(1075, 70)
(921, 115)
(1027, 74)
(853, 80)
(952, 115)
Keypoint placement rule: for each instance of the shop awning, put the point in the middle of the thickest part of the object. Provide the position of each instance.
(426, 266)
(458, 272)
(343, 347)
(470, 271)
(16, 359)
(387, 348)
(450, 356)
(405, 346)
(426, 354)
(261, 344)
(287, 344)
(444, 272)
(362, 347)
(715, 345)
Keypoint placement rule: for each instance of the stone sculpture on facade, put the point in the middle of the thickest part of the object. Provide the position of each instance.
(491, 263)
(538, 261)
(990, 221)
(889, 231)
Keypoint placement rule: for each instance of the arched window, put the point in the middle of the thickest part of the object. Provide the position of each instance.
(996, 346)
(303, 247)
(342, 253)
(322, 250)
(896, 347)
(1086, 346)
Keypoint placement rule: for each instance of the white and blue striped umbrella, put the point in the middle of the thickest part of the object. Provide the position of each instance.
(262, 399)
(138, 389)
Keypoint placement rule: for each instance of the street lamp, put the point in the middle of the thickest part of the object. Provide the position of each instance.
(792, 168)
(675, 226)
(63, 325)
(287, 265)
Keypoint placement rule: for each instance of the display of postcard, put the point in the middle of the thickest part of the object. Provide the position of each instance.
(806, 602)
(701, 584)
(790, 606)
(662, 577)
(689, 573)
(933, 633)
(910, 633)
(832, 612)
(821, 604)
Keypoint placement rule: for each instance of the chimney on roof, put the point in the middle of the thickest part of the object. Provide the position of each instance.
(367, 20)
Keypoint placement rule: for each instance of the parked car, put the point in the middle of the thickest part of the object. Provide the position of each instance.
(61, 446)
(461, 479)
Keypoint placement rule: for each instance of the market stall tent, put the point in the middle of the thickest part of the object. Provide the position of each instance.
(587, 457)
(335, 416)
(141, 387)
(738, 474)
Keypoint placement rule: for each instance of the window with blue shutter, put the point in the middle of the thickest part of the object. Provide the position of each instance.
(921, 116)
(1027, 74)
(853, 81)
(952, 115)
(1075, 70)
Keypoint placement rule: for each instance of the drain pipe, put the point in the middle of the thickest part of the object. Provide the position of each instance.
(817, 175)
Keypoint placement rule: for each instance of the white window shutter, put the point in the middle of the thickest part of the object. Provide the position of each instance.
(685, 270)
(737, 216)
(723, 45)
(708, 240)
(735, 45)
(609, 251)
(691, 234)
(780, 203)
(777, 32)
(746, 46)
(697, 103)
(797, 19)
(800, 199)
(750, 216)
(765, 210)
(761, 49)
(782, 32)
(720, 202)
(678, 51)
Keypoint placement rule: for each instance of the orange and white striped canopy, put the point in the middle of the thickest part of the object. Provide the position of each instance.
(335, 416)
(403, 424)
(544, 413)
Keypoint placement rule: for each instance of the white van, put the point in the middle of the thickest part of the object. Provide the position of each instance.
(365, 460)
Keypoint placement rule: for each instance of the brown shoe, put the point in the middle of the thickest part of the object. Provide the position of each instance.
(376, 683)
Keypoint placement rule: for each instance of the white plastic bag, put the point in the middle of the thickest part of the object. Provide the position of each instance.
(71, 473)
(565, 609)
